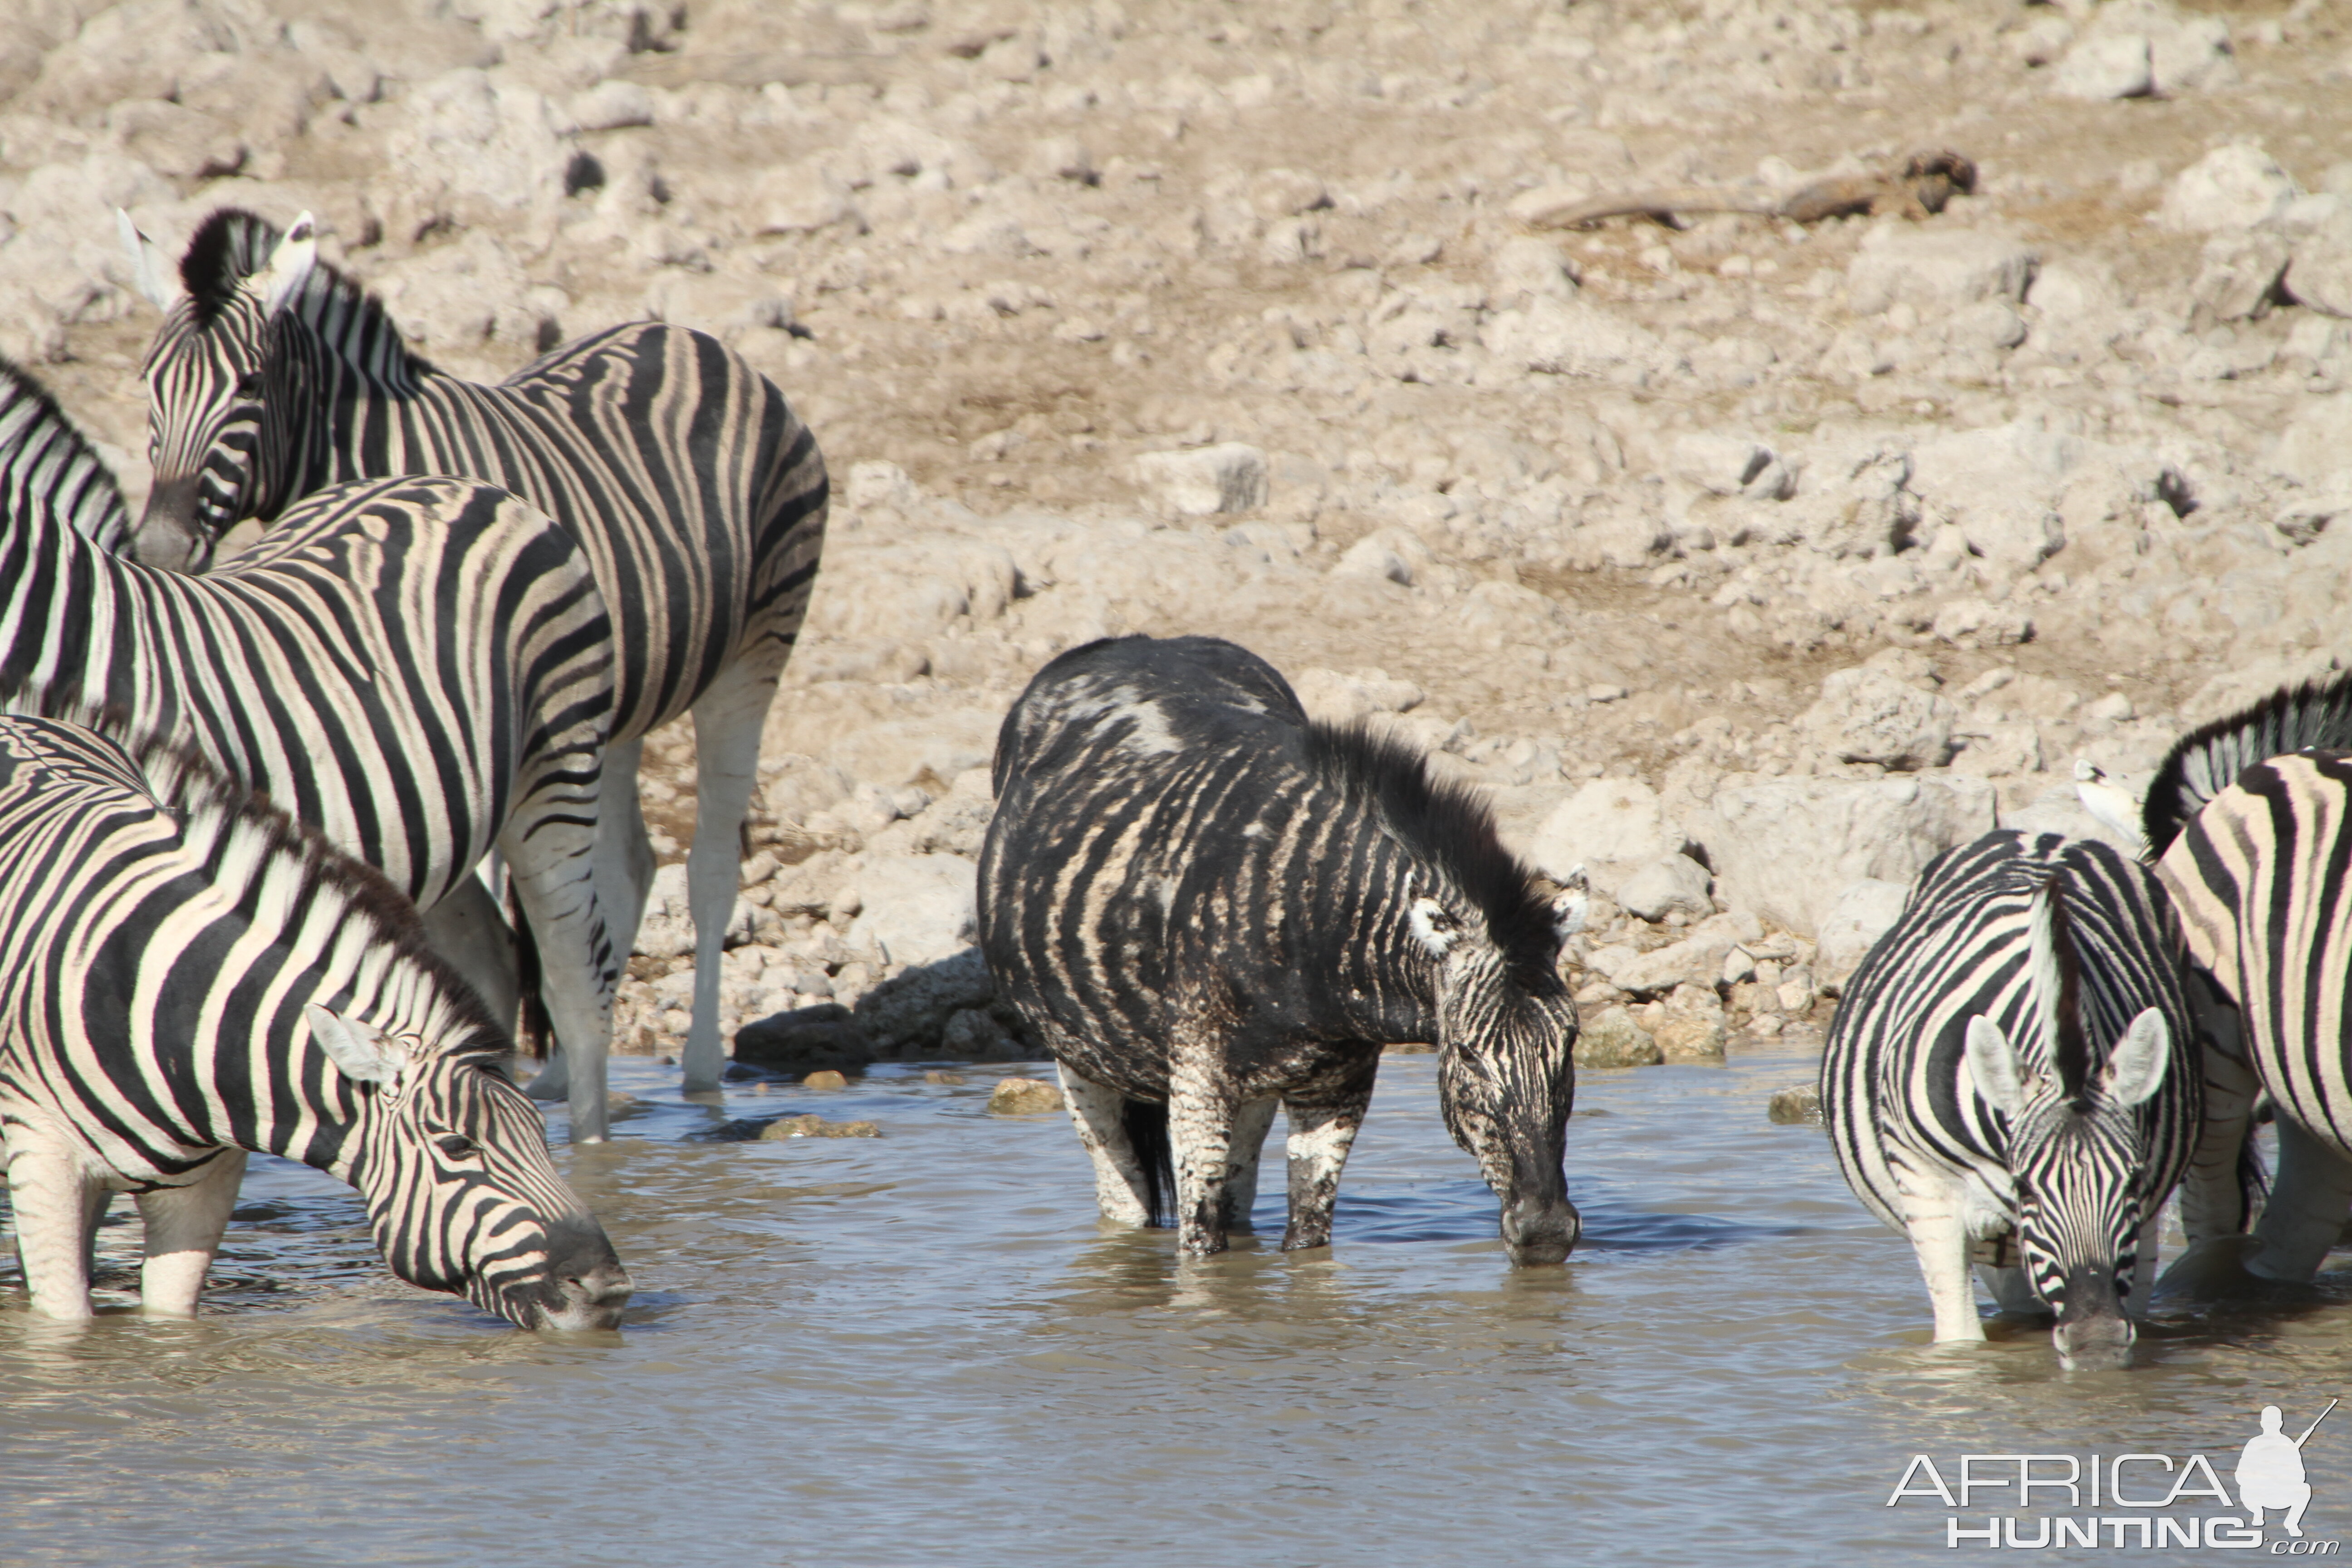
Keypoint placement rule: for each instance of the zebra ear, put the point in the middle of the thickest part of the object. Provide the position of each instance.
(149, 264)
(1994, 1067)
(290, 265)
(2112, 804)
(1433, 926)
(1571, 898)
(2136, 1066)
(359, 1051)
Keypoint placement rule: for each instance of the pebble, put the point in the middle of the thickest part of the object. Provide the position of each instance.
(825, 1079)
(1024, 1097)
(812, 1126)
(1612, 1039)
(1798, 1104)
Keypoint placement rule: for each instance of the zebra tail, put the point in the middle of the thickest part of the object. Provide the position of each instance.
(1145, 1121)
(534, 1030)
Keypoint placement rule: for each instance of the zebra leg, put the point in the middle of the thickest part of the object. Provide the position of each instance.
(1322, 1130)
(1251, 1124)
(1121, 1190)
(551, 858)
(1201, 1136)
(467, 928)
(1935, 1217)
(184, 1230)
(58, 1203)
(728, 719)
(2012, 1289)
(2149, 1253)
(624, 854)
(2308, 1202)
(2213, 1190)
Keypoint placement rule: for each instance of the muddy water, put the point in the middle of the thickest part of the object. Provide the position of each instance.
(923, 1349)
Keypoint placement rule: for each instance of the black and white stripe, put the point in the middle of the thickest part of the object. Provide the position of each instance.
(2010, 1078)
(418, 668)
(185, 974)
(1205, 905)
(698, 494)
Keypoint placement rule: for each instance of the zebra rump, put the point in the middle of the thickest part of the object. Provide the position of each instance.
(187, 975)
(1208, 907)
(2008, 1080)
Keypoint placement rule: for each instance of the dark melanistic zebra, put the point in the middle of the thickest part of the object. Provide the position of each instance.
(187, 975)
(2010, 1078)
(698, 494)
(418, 668)
(1204, 904)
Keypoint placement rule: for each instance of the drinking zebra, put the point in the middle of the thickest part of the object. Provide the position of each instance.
(2248, 821)
(418, 668)
(1204, 904)
(698, 494)
(2008, 1079)
(185, 974)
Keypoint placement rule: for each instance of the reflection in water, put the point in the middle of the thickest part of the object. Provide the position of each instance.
(925, 1347)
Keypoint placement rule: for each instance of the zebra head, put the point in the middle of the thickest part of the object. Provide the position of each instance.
(219, 383)
(453, 1162)
(1506, 1072)
(2078, 1147)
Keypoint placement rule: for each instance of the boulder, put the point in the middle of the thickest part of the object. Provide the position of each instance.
(1869, 715)
(2118, 65)
(811, 1125)
(2240, 278)
(805, 1039)
(1024, 1097)
(1340, 698)
(1697, 960)
(909, 1013)
(2232, 187)
(1227, 478)
(1612, 827)
(1798, 1105)
(1857, 917)
(915, 909)
(1674, 883)
(1786, 847)
(2319, 270)
(1732, 465)
(2316, 446)
(1611, 1039)
(1936, 271)
(1575, 338)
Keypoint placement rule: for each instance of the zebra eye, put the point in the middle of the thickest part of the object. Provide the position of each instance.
(456, 1145)
(249, 385)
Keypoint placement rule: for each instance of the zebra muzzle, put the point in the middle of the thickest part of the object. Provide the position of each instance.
(585, 1286)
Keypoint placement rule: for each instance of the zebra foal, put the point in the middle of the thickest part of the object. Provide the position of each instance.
(1205, 905)
(185, 974)
(697, 495)
(2008, 1079)
(418, 668)
(2248, 820)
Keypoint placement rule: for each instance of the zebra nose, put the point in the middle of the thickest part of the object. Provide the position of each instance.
(1537, 1231)
(586, 1285)
(166, 535)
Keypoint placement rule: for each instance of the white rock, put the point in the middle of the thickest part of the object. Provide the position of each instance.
(1935, 270)
(2240, 271)
(2319, 272)
(2316, 446)
(2236, 186)
(1612, 827)
(490, 144)
(612, 105)
(918, 908)
(1870, 715)
(878, 483)
(1373, 557)
(2191, 53)
(1659, 888)
(1226, 477)
(1785, 847)
(1979, 623)
(1339, 699)
(1575, 338)
(2118, 64)
(1526, 266)
(1859, 915)
(1697, 960)
(1731, 465)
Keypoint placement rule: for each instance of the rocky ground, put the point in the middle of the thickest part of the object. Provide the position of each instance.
(1749, 555)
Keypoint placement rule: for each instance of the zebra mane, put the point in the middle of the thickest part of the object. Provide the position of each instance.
(1450, 826)
(47, 459)
(2209, 759)
(232, 245)
(2058, 988)
(241, 834)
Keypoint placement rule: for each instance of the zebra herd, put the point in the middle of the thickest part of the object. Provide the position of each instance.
(228, 791)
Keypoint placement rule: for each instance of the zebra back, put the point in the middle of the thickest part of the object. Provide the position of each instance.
(1895, 1081)
(2203, 762)
(47, 467)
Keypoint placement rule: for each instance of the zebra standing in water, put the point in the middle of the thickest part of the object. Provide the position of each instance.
(2009, 1080)
(2250, 821)
(185, 974)
(1206, 905)
(418, 668)
(698, 494)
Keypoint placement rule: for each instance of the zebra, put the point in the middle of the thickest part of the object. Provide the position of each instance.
(1205, 904)
(420, 667)
(698, 494)
(2008, 1079)
(2254, 857)
(187, 975)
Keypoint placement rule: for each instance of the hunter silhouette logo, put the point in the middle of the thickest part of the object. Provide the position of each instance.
(2113, 1500)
